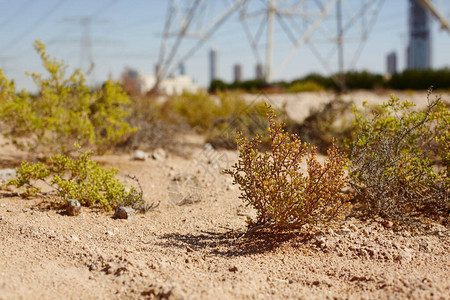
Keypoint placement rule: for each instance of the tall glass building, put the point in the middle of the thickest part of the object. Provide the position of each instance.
(419, 47)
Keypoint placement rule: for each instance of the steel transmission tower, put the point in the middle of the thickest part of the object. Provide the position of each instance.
(437, 13)
(86, 42)
(188, 19)
(304, 22)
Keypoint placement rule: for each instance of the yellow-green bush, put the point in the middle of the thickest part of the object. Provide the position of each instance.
(203, 111)
(198, 109)
(80, 178)
(64, 111)
(400, 159)
(219, 117)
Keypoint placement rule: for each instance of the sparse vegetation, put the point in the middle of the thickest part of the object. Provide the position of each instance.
(304, 86)
(421, 79)
(275, 185)
(332, 120)
(399, 159)
(155, 122)
(219, 117)
(354, 80)
(198, 109)
(64, 111)
(80, 178)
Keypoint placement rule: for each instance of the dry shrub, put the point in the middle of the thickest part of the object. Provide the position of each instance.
(275, 185)
(323, 124)
(158, 125)
(220, 116)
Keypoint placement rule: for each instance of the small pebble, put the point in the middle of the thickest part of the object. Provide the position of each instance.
(124, 212)
(139, 155)
(157, 157)
(73, 207)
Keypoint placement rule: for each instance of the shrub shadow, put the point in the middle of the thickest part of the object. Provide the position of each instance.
(232, 244)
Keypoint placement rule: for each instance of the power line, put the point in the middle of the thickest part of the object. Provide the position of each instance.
(41, 20)
(63, 33)
(16, 13)
(85, 40)
(108, 4)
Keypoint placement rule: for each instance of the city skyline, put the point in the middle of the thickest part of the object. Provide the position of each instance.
(128, 34)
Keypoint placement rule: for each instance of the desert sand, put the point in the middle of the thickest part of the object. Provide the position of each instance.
(194, 251)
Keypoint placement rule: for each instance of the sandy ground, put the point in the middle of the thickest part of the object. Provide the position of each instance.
(192, 251)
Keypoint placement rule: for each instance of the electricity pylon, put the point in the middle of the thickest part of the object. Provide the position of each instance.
(341, 27)
(427, 4)
(86, 42)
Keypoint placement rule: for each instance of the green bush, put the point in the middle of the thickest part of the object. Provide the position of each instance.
(321, 80)
(399, 159)
(275, 185)
(64, 111)
(363, 80)
(218, 85)
(80, 178)
(249, 86)
(421, 79)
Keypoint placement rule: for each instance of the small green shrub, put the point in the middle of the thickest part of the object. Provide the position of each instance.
(80, 178)
(64, 111)
(420, 79)
(275, 185)
(399, 159)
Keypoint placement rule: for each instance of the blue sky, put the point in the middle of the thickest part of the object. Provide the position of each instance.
(127, 33)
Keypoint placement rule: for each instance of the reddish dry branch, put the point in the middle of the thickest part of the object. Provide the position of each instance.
(276, 186)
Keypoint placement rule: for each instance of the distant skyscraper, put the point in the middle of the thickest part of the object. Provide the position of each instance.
(213, 64)
(182, 69)
(391, 63)
(237, 70)
(259, 71)
(419, 48)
